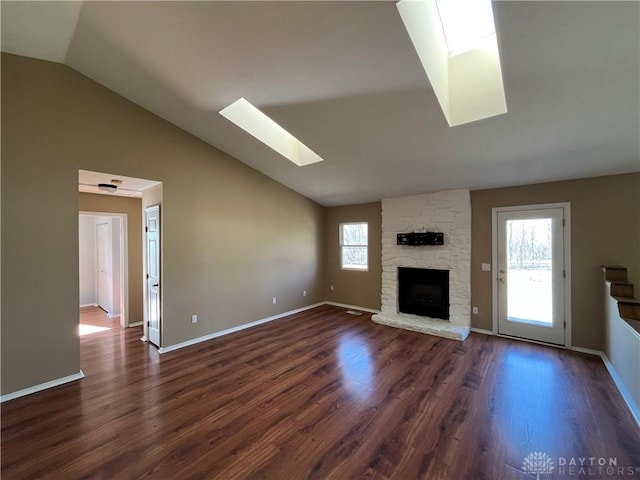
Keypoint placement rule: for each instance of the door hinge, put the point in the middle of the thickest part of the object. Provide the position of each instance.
(565, 324)
(564, 222)
(148, 324)
(564, 274)
(147, 276)
(146, 229)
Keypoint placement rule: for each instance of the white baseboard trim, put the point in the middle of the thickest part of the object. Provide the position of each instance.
(633, 408)
(244, 326)
(482, 331)
(137, 324)
(351, 307)
(590, 351)
(144, 339)
(112, 315)
(612, 371)
(89, 305)
(635, 411)
(42, 386)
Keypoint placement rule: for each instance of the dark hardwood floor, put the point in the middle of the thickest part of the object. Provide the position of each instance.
(321, 395)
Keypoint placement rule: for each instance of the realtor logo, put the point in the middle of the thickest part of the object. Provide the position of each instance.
(538, 463)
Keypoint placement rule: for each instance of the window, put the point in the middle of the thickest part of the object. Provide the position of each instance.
(354, 241)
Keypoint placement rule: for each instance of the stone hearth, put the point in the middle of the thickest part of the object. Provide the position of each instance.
(448, 212)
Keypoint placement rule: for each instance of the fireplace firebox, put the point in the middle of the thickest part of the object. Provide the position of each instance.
(423, 291)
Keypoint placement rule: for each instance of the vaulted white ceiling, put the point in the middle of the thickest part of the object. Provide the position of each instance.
(345, 79)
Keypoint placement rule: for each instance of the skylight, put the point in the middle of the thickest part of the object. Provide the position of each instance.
(457, 44)
(465, 23)
(253, 121)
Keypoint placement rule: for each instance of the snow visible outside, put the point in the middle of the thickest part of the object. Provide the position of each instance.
(529, 271)
(530, 296)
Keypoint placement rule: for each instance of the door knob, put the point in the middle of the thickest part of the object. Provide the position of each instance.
(155, 284)
(501, 279)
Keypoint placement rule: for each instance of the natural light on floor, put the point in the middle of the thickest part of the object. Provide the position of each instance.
(89, 329)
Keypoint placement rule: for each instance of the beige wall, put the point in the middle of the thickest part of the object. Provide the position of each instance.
(605, 230)
(232, 238)
(88, 202)
(362, 289)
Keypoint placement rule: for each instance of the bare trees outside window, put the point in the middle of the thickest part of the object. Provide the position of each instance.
(354, 241)
(529, 244)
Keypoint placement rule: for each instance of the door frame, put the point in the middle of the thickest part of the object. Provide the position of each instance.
(566, 207)
(124, 261)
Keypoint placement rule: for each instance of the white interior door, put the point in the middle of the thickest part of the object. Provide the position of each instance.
(103, 259)
(152, 227)
(531, 274)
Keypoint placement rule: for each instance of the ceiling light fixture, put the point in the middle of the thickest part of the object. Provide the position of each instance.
(253, 121)
(457, 44)
(107, 187)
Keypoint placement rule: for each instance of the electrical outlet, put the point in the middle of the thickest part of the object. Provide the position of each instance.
(194, 318)
(332, 288)
(304, 293)
(486, 267)
(475, 310)
(274, 300)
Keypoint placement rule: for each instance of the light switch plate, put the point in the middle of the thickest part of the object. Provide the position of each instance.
(486, 267)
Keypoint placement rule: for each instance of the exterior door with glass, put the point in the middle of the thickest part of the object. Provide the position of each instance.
(531, 273)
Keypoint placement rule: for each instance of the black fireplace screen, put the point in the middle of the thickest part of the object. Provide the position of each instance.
(424, 291)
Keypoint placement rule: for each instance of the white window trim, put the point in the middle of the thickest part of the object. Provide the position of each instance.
(353, 269)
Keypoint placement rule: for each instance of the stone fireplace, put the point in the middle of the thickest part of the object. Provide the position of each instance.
(415, 309)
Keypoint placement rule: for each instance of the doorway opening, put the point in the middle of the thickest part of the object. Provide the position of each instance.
(109, 198)
(103, 273)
